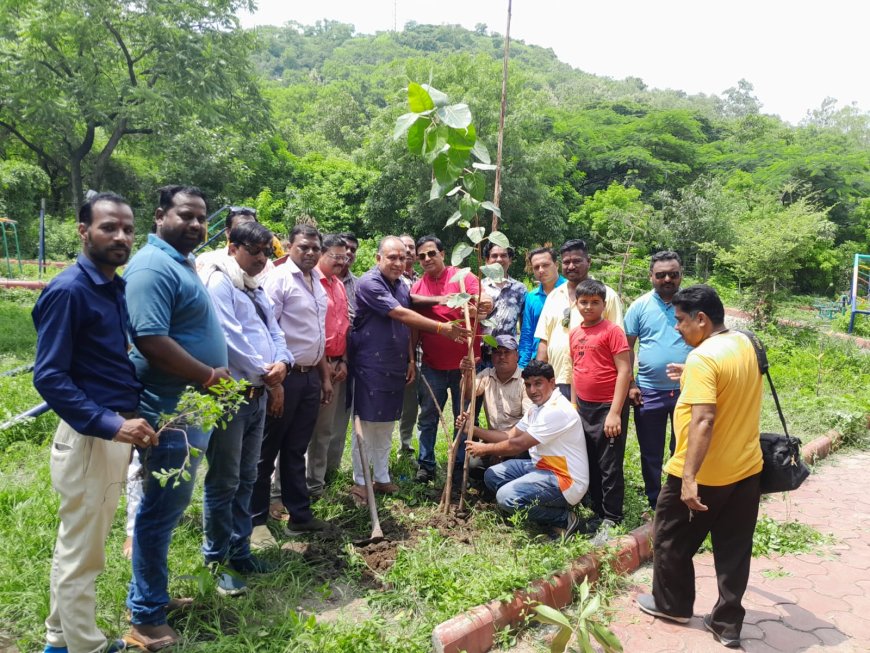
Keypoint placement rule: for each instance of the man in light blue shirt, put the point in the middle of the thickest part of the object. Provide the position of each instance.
(258, 354)
(651, 321)
(543, 263)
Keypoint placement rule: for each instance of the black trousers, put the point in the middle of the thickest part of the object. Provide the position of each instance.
(288, 435)
(730, 520)
(606, 478)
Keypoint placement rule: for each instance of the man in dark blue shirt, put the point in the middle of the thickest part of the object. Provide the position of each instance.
(83, 372)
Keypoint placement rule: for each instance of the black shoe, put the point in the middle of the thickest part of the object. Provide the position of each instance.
(727, 642)
(574, 524)
(424, 475)
(314, 525)
(251, 565)
(647, 604)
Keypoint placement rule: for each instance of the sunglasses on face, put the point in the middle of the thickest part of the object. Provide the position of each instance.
(242, 210)
(256, 251)
(424, 255)
(672, 275)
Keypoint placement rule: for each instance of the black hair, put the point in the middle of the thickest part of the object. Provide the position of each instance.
(487, 248)
(250, 233)
(334, 240)
(86, 210)
(238, 210)
(590, 288)
(348, 238)
(538, 368)
(542, 250)
(305, 230)
(700, 297)
(665, 255)
(166, 195)
(431, 238)
(575, 244)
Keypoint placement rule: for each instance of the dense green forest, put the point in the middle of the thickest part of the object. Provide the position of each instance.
(299, 120)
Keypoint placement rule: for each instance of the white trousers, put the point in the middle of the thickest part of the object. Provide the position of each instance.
(378, 438)
(88, 473)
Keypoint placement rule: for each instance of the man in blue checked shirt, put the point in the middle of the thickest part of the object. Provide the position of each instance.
(83, 372)
(257, 353)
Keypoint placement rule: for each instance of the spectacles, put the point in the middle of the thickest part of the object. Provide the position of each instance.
(314, 249)
(338, 258)
(430, 254)
(256, 251)
(672, 275)
(243, 210)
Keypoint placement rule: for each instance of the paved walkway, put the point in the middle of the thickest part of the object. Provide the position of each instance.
(807, 602)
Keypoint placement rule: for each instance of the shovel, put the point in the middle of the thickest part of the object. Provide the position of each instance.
(377, 534)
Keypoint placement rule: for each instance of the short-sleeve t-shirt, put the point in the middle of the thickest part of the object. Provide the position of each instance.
(550, 326)
(561, 446)
(652, 321)
(165, 297)
(441, 353)
(592, 352)
(505, 403)
(722, 370)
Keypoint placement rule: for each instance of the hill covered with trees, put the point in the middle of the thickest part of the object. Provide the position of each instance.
(299, 120)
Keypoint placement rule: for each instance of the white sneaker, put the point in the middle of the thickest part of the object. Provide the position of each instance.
(262, 538)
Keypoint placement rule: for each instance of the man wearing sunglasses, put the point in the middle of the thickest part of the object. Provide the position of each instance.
(650, 320)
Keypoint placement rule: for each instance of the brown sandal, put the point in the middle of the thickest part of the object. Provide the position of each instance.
(278, 512)
(359, 496)
(152, 637)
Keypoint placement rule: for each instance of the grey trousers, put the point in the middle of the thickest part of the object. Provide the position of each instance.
(328, 440)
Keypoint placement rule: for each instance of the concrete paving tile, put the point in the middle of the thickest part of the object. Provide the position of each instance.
(836, 582)
(785, 583)
(851, 624)
(779, 636)
(830, 636)
(756, 616)
(803, 617)
(762, 596)
(759, 646)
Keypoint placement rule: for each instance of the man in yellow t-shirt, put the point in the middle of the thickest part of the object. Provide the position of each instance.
(713, 477)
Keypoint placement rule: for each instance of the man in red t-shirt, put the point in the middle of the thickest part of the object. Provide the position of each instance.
(601, 376)
(441, 356)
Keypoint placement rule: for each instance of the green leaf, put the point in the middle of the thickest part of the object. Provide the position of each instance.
(483, 166)
(455, 115)
(435, 143)
(480, 152)
(460, 274)
(608, 640)
(493, 271)
(462, 139)
(548, 615)
(419, 99)
(475, 234)
(458, 300)
(460, 252)
(590, 608)
(437, 191)
(185, 475)
(403, 124)
(458, 158)
(445, 172)
(417, 136)
(475, 184)
(560, 642)
(468, 207)
(465, 224)
(195, 453)
(438, 97)
(454, 190)
(452, 220)
(585, 643)
(498, 238)
(584, 591)
(490, 340)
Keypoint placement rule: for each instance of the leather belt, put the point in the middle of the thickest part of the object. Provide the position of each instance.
(254, 391)
(302, 369)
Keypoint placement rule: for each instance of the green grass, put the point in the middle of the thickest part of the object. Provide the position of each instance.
(436, 575)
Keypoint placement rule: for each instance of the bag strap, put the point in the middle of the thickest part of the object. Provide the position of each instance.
(764, 368)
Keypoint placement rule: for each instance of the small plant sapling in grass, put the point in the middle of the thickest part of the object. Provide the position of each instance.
(203, 410)
(589, 625)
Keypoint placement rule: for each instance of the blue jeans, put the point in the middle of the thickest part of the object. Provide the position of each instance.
(519, 485)
(651, 422)
(232, 456)
(159, 513)
(441, 381)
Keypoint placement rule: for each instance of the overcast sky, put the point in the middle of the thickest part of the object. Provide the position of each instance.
(795, 53)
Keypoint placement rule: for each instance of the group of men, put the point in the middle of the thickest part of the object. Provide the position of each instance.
(315, 345)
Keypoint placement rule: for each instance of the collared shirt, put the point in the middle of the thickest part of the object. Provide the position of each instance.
(350, 281)
(165, 297)
(204, 259)
(379, 348)
(440, 353)
(300, 310)
(337, 316)
(550, 327)
(653, 322)
(410, 278)
(505, 403)
(82, 369)
(508, 300)
(532, 308)
(251, 342)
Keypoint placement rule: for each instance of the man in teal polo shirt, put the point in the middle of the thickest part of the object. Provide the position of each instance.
(651, 321)
(543, 263)
(178, 342)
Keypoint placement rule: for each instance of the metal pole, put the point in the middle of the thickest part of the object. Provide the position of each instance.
(41, 237)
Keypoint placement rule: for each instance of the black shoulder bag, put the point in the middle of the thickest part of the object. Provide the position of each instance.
(784, 469)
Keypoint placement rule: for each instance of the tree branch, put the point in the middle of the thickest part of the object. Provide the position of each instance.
(32, 146)
(131, 72)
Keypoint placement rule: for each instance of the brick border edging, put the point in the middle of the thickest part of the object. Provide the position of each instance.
(474, 630)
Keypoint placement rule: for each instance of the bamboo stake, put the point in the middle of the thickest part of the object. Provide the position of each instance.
(496, 197)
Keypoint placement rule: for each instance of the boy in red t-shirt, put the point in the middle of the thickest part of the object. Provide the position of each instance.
(602, 373)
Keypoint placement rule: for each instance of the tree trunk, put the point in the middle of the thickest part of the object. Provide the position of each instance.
(106, 153)
(75, 183)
